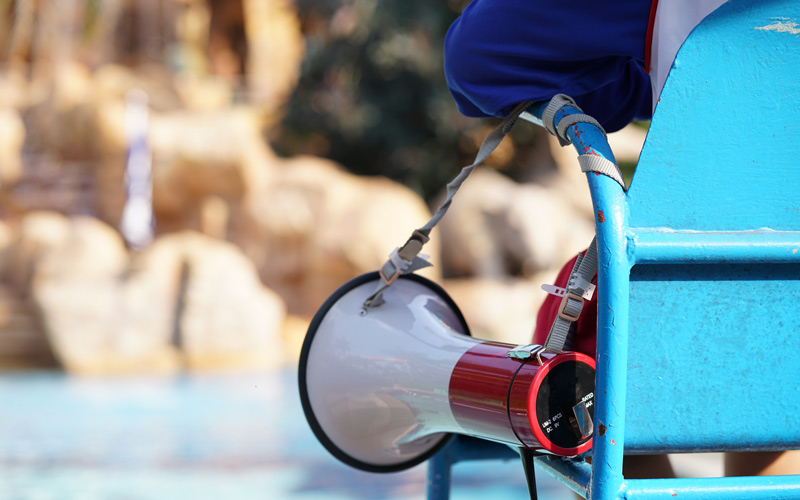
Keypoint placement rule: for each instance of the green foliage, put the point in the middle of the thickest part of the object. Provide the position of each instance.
(372, 94)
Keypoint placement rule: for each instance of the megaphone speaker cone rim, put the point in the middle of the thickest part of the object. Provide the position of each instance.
(305, 400)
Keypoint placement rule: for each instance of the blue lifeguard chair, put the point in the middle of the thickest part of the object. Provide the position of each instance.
(698, 343)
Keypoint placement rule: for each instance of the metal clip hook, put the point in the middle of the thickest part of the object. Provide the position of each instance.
(527, 351)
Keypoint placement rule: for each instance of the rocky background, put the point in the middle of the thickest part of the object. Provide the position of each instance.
(293, 146)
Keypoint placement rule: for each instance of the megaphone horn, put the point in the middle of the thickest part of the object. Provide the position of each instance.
(384, 391)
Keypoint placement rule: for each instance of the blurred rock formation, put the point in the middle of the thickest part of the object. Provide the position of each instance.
(97, 319)
(189, 301)
(275, 50)
(12, 137)
(22, 339)
(223, 317)
(315, 226)
(252, 234)
(498, 228)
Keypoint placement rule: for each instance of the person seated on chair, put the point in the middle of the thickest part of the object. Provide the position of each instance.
(501, 53)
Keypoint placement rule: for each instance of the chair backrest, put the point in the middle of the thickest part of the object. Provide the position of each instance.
(714, 224)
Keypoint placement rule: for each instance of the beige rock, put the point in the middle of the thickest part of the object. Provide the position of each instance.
(98, 326)
(275, 50)
(216, 138)
(294, 334)
(12, 138)
(8, 238)
(23, 343)
(39, 232)
(226, 318)
(88, 249)
(203, 94)
(111, 82)
(215, 214)
(500, 310)
(15, 91)
(110, 119)
(318, 226)
(497, 228)
(541, 231)
(470, 245)
(63, 121)
(72, 86)
(99, 316)
(192, 23)
(189, 301)
(197, 155)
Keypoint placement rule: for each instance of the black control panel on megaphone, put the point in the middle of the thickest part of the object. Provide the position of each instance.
(384, 390)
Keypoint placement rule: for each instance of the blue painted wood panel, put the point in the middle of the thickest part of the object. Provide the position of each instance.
(713, 357)
(714, 213)
(722, 150)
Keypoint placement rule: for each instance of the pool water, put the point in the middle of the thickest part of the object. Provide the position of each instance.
(198, 437)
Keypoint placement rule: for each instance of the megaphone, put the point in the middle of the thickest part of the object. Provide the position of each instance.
(384, 388)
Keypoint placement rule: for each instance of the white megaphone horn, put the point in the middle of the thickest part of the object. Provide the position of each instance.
(384, 390)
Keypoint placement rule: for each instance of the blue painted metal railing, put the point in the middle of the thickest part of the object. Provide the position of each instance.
(461, 449)
(619, 249)
(705, 246)
(605, 475)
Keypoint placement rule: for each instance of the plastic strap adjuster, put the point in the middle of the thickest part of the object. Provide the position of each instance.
(562, 308)
(581, 283)
(393, 268)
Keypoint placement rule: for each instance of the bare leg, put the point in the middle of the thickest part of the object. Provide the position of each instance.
(772, 463)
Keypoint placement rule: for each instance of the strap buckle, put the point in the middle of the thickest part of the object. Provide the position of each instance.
(390, 278)
(563, 314)
(560, 291)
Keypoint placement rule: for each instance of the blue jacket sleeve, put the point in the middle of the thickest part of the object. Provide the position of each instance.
(500, 53)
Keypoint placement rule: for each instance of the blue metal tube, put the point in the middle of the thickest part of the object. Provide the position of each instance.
(613, 278)
(717, 488)
(586, 138)
(439, 476)
(573, 474)
(613, 268)
(714, 247)
(460, 449)
(469, 448)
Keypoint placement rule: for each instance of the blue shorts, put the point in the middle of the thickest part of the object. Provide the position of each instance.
(503, 52)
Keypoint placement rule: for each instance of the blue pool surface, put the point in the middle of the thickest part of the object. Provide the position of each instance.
(198, 437)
